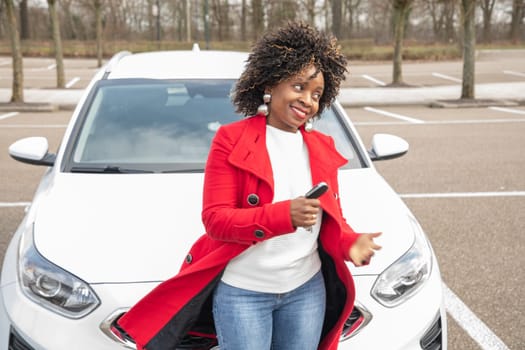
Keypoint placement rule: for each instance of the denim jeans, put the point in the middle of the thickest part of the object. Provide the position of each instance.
(248, 320)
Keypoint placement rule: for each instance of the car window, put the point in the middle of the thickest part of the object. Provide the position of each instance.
(165, 126)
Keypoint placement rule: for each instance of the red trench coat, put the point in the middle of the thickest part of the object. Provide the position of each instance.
(238, 168)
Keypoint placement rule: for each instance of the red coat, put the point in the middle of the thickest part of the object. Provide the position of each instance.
(238, 168)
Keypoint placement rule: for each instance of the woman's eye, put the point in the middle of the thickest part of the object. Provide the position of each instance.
(298, 87)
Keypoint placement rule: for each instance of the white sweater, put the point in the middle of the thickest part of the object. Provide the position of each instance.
(285, 262)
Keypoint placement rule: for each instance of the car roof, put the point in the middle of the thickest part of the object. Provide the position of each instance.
(194, 64)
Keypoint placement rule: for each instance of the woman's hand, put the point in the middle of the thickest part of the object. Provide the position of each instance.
(364, 248)
(304, 211)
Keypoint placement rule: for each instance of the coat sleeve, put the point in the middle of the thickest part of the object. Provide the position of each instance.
(222, 215)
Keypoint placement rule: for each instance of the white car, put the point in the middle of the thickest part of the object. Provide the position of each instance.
(120, 205)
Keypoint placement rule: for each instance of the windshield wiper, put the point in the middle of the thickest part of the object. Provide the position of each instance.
(109, 169)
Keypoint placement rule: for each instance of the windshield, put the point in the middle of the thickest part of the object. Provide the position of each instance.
(139, 125)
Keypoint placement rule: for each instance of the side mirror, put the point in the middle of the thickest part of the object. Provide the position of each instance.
(386, 146)
(32, 150)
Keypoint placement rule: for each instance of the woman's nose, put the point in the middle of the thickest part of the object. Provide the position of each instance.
(306, 99)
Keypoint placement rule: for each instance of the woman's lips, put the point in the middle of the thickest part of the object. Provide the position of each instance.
(299, 112)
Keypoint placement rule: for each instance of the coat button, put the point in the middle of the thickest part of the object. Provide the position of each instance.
(253, 199)
(259, 233)
(189, 259)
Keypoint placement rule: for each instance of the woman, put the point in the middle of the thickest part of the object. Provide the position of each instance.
(271, 265)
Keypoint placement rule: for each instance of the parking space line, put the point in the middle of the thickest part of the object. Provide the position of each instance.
(393, 115)
(507, 110)
(444, 122)
(467, 320)
(511, 72)
(464, 194)
(51, 66)
(14, 204)
(372, 79)
(446, 77)
(8, 115)
(72, 82)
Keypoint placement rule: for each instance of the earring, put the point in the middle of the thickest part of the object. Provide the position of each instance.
(309, 125)
(263, 109)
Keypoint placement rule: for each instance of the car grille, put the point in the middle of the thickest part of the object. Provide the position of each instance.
(191, 341)
(357, 320)
(16, 342)
(432, 339)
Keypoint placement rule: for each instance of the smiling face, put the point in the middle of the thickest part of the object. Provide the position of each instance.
(296, 99)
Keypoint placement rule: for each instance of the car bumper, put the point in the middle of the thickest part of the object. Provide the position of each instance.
(31, 326)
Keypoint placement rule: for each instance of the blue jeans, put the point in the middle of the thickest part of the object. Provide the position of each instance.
(247, 320)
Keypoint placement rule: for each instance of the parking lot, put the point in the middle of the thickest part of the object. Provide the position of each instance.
(462, 178)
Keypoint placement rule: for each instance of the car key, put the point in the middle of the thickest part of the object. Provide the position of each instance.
(317, 190)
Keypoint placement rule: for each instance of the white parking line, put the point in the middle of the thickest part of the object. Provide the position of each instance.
(14, 204)
(394, 115)
(72, 82)
(507, 110)
(8, 115)
(467, 320)
(447, 77)
(464, 194)
(444, 122)
(511, 72)
(372, 79)
(51, 66)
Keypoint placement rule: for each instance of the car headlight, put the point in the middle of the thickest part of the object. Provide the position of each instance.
(406, 275)
(49, 285)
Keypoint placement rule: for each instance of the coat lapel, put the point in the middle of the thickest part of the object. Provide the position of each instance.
(250, 153)
(324, 159)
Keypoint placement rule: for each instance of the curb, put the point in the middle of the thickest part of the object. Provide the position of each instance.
(28, 107)
(457, 103)
(472, 103)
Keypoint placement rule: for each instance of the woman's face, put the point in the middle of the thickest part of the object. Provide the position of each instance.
(296, 99)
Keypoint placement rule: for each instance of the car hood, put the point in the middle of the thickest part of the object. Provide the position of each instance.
(139, 227)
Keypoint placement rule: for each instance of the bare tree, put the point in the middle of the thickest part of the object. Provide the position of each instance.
(281, 11)
(57, 43)
(468, 9)
(442, 14)
(310, 11)
(220, 12)
(97, 4)
(187, 5)
(487, 6)
(244, 13)
(68, 27)
(337, 9)
(17, 93)
(351, 9)
(257, 17)
(518, 12)
(400, 11)
(24, 20)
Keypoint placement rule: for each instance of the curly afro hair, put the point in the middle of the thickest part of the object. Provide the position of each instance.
(284, 53)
